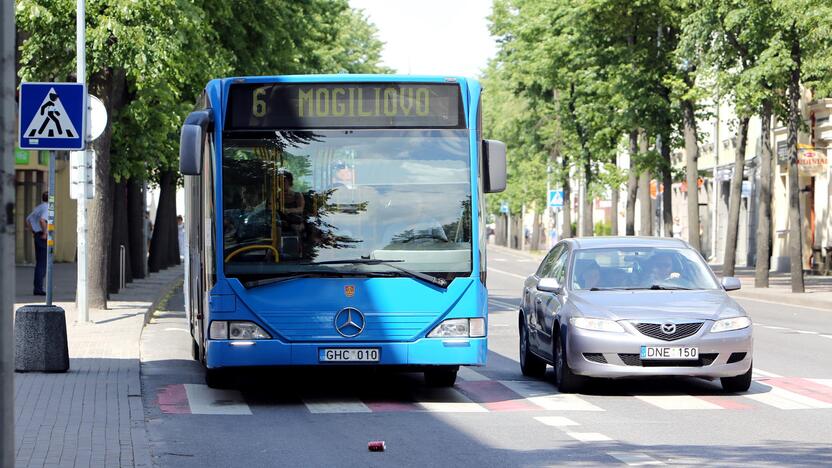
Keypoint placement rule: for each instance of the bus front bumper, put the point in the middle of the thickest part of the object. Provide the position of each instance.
(425, 351)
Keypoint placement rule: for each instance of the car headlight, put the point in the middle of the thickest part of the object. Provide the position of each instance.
(596, 324)
(459, 328)
(223, 330)
(733, 323)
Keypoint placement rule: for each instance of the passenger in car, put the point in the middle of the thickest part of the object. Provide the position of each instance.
(588, 274)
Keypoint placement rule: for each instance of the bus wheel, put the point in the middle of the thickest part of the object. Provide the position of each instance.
(217, 378)
(443, 376)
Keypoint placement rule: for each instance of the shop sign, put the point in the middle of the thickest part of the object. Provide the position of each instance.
(811, 161)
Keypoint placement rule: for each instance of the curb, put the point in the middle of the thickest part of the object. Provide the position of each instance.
(162, 298)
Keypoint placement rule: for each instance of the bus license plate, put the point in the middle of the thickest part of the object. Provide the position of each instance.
(349, 355)
(669, 352)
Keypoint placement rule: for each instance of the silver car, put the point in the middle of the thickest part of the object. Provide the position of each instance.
(616, 307)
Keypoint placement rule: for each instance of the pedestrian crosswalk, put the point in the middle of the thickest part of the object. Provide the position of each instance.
(478, 394)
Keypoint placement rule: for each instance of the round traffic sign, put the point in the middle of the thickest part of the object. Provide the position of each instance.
(98, 117)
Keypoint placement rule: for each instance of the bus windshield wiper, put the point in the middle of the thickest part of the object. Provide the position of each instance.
(441, 282)
(274, 279)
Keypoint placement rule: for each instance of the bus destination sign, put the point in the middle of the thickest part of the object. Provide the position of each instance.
(281, 106)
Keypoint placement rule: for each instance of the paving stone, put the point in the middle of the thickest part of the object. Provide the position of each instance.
(91, 415)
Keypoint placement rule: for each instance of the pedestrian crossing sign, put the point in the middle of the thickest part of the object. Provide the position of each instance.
(555, 199)
(52, 116)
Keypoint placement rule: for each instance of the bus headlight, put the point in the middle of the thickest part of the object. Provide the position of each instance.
(223, 330)
(459, 328)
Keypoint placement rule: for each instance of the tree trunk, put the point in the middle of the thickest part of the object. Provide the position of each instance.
(734, 200)
(667, 182)
(587, 217)
(109, 86)
(160, 243)
(614, 201)
(646, 223)
(135, 229)
(119, 238)
(692, 173)
(535, 245)
(764, 218)
(567, 201)
(632, 185)
(795, 234)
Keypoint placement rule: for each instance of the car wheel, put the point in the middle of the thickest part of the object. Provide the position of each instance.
(565, 379)
(530, 365)
(739, 383)
(443, 376)
(217, 378)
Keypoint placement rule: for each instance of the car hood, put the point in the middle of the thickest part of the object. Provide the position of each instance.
(655, 305)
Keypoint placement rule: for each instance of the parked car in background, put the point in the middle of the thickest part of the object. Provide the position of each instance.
(621, 307)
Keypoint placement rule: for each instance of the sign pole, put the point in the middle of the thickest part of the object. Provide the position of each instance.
(83, 313)
(50, 229)
(7, 233)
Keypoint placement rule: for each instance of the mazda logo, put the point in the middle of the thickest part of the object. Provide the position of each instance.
(349, 322)
(668, 328)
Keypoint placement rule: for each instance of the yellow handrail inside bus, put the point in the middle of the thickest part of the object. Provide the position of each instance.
(254, 247)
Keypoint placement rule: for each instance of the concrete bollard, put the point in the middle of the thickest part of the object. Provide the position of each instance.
(40, 343)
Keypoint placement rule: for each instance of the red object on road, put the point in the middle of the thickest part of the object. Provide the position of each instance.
(376, 446)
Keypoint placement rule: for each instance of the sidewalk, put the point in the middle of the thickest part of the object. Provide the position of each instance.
(818, 288)
(93, 414)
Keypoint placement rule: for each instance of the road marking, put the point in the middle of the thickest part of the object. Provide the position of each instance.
(178, 329)
(205, 400)
(805, 332)
(499, 259)
(804, 387)
(783, 399)
(766, 373)
(556, 421)
(797, 306)
(678, 402)
(725, 402)
(495, 396)
(470, 374)
(827, 382)
(543, 395)
(447, 400)
(634, 459)
(328, 405)
(506, 273)
(588, 436)
(772, 327)
(826, 336)
(503, 304)
(172, 399)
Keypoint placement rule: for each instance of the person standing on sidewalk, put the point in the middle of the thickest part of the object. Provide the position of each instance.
(37, 221)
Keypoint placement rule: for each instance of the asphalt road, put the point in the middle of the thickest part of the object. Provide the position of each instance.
(494, 416)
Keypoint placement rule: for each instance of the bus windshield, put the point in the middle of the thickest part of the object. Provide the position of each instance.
(300, 198)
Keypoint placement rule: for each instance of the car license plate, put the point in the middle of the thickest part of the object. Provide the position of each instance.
(669, 352)
(348, 354)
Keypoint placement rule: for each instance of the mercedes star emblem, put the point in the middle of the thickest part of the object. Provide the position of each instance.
(349, 322)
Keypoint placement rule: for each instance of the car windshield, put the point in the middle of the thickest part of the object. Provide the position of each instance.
(640, 268)
(299, 199)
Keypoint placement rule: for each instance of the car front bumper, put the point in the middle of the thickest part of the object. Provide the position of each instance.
(618, 349)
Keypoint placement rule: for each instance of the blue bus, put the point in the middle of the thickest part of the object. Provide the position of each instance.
(338, 220)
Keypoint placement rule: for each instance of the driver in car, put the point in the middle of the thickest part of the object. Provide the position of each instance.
(661, 269)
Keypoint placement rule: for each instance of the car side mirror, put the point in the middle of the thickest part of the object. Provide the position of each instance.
(729, 283)
(192, 139)
(549, 285)
(494, 166)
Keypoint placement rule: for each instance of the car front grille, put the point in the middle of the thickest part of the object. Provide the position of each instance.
(654, 330)
(705, 359)
(595, 357)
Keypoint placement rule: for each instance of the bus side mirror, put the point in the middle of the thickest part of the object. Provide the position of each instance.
(494, 165)
(191, 141)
